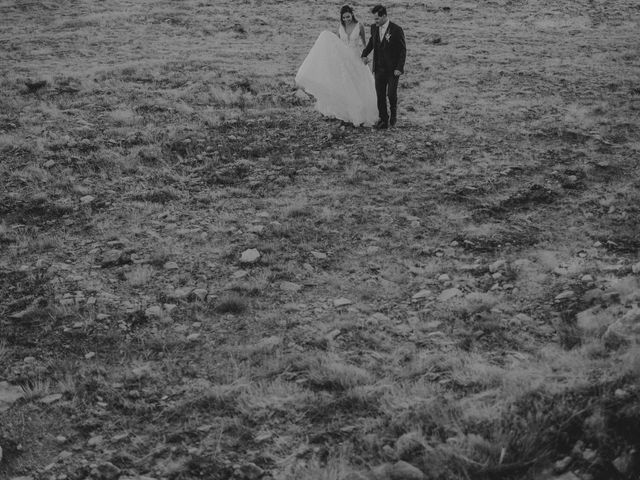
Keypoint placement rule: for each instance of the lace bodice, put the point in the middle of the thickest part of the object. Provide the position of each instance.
(353, 41)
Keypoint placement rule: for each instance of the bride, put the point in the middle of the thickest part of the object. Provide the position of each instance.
(335, 75)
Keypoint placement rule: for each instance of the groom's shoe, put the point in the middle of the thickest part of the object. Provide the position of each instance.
(393, 120)
(381, 125)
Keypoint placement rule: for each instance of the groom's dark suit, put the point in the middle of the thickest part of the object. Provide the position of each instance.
(389, 54)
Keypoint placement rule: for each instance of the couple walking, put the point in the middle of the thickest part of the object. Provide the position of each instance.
(335, 71)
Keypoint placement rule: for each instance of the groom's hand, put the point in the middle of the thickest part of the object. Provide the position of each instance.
(397, 73)
(365, 60)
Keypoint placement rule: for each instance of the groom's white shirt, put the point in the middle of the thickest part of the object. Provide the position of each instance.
(383, 29)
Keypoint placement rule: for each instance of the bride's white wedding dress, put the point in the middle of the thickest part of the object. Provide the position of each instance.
(335, 75)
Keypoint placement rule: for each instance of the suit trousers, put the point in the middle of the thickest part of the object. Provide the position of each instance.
(386, 85)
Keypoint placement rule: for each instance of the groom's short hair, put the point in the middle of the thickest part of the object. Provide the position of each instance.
(379, 10)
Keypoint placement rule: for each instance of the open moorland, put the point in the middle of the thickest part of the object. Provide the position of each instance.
(201, 277)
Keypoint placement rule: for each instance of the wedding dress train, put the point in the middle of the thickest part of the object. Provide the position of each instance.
(342, 84)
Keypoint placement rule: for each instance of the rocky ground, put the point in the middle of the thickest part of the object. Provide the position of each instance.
(203, 278)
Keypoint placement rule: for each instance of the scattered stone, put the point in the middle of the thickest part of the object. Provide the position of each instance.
(372, 249)
(95, 441)
(61, 439)
(565, 295)
(620, 394)
(421, 294)
(239, 274)
(250, 256)
(87, 199)
(250, 471)
(8, 395)
(90, 355)
(402, 470)
(181, 293)
(170, 307)
(497, 265)
(171, 266)
(635, 268)
(586, 278)
(444, 278)
(623, 331)
(562, 465)
(589, 455)
(193, 337)
(449, 293)
(290, 287)
(200, 293)
(319, 255)
(333, 334)
(113, 258)
(107, 471)
(301, 95)
(410, 445)
(49, 399)
(624, 463)
(341, 302)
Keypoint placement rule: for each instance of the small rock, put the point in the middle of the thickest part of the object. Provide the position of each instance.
(90, 355)
(449, 293)
(497, 265)
(290, 287)
(54, 397)
(319, 255)
(444, 278)
(95, 441)
(113, 258)
(8, 395)
(624, 463)
(402, 470)
(635, 268)
(250, 471)
(87, 199)
(586, 278)
(250, 256)
(171, 266)
(200, 293)
(49, 164)
(565, 295)
(589, 455)
(301, 95)
(341, 302)
(621, 394)
(410, 445)
(561, 465)
(181, 293)
(421, 294)
(193, 337)
(107, 471)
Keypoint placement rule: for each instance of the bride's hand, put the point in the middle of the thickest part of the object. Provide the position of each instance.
(365, 60)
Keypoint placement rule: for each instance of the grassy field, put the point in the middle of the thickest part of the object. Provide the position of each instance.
(201, 277)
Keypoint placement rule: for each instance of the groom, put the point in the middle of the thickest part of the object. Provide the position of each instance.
(389, 53)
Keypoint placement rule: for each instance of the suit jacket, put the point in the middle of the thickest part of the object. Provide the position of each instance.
(390, 52)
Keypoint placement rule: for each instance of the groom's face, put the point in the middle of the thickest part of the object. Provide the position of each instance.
(379, 20)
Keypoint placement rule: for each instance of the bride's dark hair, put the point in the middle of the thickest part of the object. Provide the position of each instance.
(347, 9)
